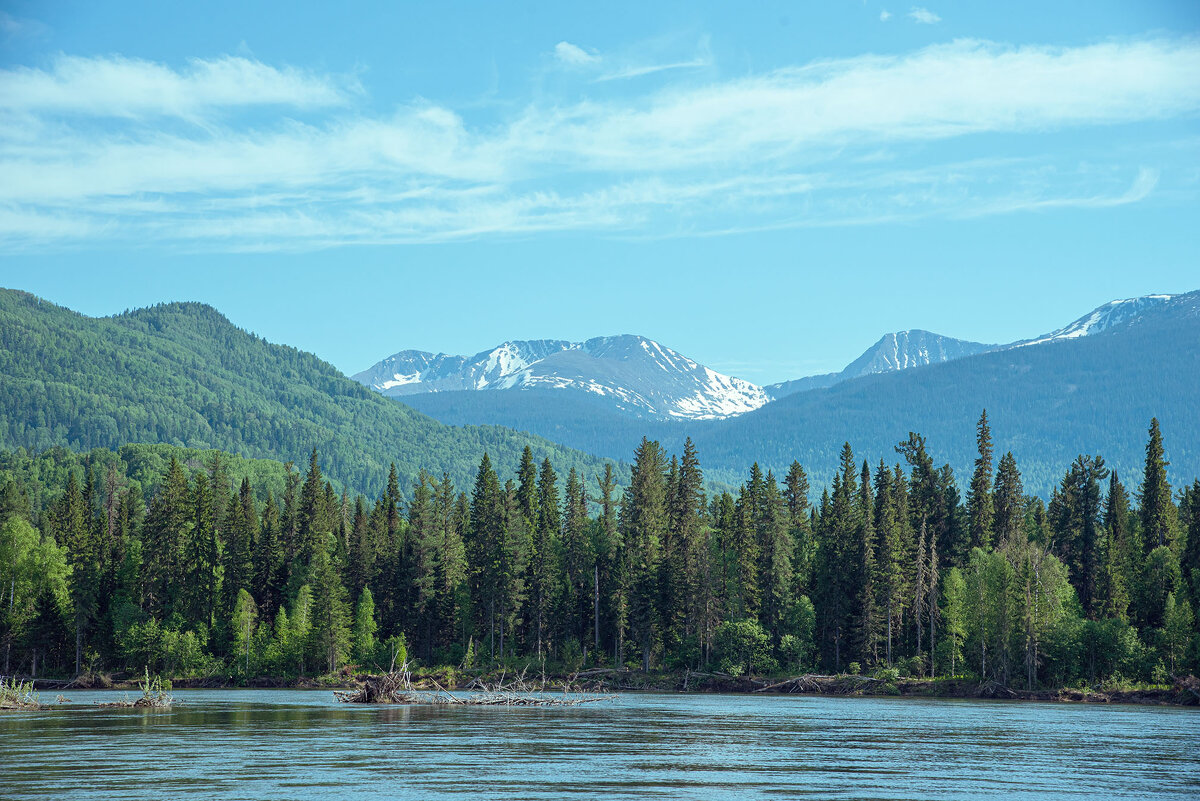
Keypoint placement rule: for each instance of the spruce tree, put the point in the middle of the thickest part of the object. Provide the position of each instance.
(578, 561)
(1154, 496)
(1008, 498)
(889, 566)
(644, 518)
(775, 547)
(544, 560)
(607, 547)
(527, 487)
(268, 560)
(869, 624)
(201, 553)
(1121, 555)
(979, 497)
(330, 634)
(1189, 561)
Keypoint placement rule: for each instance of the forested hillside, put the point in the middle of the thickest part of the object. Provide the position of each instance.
(182, 374)
(1048, 402)
(892, 569)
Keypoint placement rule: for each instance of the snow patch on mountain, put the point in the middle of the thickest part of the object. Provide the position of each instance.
(1102, 318)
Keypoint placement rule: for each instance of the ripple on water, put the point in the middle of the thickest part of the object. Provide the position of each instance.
(294, 744)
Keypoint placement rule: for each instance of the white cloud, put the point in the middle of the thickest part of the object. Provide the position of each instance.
(118, 87)
(636, 71)
(885, 15)
(798, 146)
(924, 16)
(573, 54)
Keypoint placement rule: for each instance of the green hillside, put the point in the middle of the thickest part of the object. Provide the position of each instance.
(181, 374)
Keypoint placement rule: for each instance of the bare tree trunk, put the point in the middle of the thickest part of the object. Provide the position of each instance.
(596, 602)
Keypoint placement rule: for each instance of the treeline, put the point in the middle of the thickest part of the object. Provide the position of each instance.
(892, 566)
(182, 374)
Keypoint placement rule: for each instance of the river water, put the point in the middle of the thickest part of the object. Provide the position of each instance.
(289, 744)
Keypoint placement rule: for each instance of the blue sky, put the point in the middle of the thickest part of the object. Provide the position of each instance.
(765, 187)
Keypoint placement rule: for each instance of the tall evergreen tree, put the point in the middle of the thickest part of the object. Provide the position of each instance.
(578, 561)
(1008, 497)
(869, 622)
(330, 634)
(1122, 555)
(979, 497)
(1154, 496)
(644, 520)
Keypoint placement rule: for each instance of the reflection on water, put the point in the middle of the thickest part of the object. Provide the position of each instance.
(267, 744)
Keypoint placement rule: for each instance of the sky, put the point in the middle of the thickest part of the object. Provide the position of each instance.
(766, 188)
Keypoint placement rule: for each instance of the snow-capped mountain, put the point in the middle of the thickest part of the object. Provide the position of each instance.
(1111, 314)
(900, 350)
(641, 376)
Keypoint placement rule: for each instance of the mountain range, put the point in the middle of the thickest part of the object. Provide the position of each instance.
(1092, 383)
(180, 374)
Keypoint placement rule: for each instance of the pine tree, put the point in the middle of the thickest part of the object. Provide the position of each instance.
(167, 524)
(644, 518)
(1075, 518)
(1155, 493)
(837, 564)
(544, 560)
(511, 565)
(527, 487)
(889, 566)
(485, 545)
(979, 497)
(314, 520)
(1121, 564)
(775, 547)
(689, 505)
(795, 498)
(606, 598)
(578, 561)
(450, 562)
(361, 565)
(869, 623)
(1008, 498)
(201, 557)
(268, 560)
(1189, 561)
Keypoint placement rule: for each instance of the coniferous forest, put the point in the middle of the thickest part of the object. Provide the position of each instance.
(194, 564)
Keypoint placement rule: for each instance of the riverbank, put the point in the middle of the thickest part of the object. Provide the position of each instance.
(1184, 691)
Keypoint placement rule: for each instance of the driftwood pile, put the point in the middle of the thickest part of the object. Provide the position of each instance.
(396, 687)
(814, 683)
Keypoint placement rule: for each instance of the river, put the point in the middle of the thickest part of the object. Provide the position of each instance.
(290, 744)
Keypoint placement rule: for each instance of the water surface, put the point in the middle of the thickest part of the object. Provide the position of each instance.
(289, 744)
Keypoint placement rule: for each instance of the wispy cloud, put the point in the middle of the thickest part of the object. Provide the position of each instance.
(793, 147)
(573, 54)
(125, 87)
(924, 16)
(885, 15)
